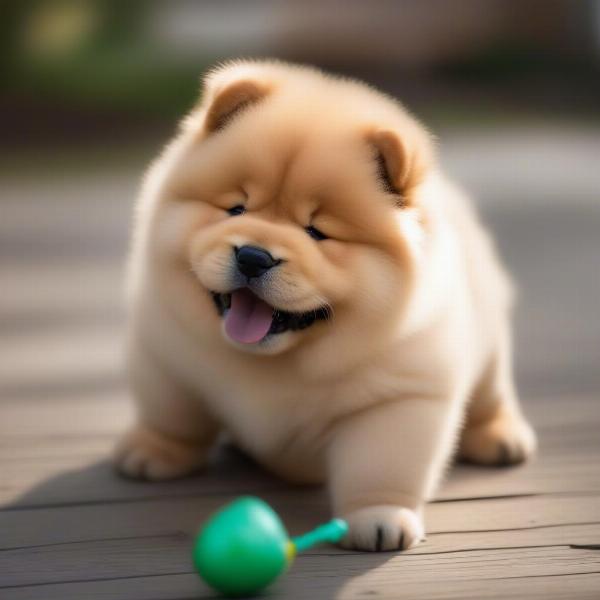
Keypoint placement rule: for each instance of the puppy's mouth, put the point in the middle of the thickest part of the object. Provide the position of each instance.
(249, 319)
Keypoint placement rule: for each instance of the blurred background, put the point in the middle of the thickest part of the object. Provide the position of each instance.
(91, 90)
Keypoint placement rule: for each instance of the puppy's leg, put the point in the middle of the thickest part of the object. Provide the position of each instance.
(174, 432)
(496, 432)
(384, 464)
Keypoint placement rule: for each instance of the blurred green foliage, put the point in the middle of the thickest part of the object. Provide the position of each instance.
(92, 52)
(104, 56)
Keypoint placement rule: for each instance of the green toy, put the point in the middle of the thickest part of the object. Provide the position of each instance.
(244, 546)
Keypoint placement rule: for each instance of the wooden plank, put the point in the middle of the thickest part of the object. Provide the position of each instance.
(168, 554)
(537, 587)
(79, 479)
(57, 288)
(79, 215)
(188, 587)
(162, 587)
(61, 416)
(41, 365)
(395, 572)
(73, 558)
(98, 483)
(435, 575)
(53, 449)
(299, 509)
(348, 574)
(545, 475)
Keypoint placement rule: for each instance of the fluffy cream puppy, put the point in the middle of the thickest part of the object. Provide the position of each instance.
(305, 278)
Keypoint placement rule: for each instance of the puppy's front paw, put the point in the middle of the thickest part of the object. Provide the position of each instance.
(385, 527)
(145, 454)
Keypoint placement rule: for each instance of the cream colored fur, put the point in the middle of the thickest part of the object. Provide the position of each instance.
(416, 359)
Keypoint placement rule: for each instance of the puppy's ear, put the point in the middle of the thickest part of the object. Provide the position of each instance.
(402, 160)
(229, 100)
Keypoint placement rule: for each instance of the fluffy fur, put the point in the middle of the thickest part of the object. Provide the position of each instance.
(415, 358)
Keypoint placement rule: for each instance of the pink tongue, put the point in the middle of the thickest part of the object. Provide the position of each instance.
(249, 318)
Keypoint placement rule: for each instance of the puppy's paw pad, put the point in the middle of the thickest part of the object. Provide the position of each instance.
(144, 454)
(499, 442)
(383, 528)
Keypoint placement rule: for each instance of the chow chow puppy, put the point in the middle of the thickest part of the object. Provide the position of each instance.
(305, 278)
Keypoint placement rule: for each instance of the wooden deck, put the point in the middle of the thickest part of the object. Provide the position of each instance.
(71, 529)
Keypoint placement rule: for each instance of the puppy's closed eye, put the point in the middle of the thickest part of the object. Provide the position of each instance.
(238, 209)
(315, 233)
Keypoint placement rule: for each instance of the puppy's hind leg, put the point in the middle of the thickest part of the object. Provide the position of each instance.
(174, 432)
(496, 432)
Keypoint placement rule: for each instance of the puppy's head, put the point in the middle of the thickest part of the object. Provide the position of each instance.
(298, 197)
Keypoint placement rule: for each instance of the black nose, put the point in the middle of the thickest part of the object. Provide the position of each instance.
(253, 261)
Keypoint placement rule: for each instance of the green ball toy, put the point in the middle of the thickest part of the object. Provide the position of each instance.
(244, 546)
